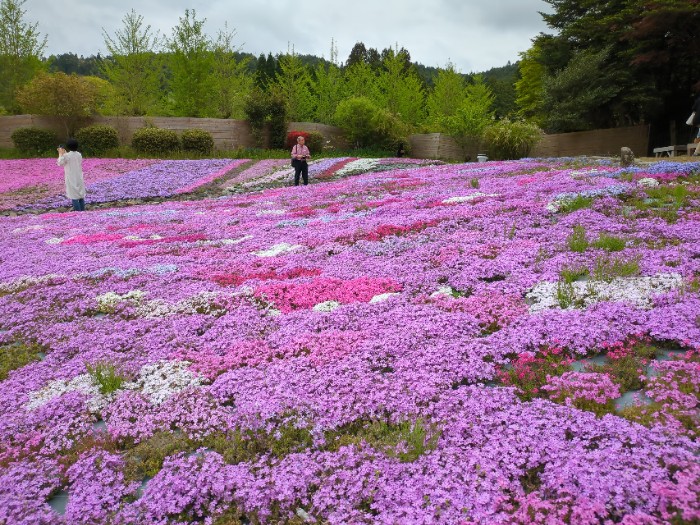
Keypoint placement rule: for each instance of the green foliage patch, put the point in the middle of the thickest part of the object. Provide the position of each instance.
(17, 355)
(155, 141)
(34, 141)
(508, 139)
(577, 241)
(197, 141)
(106, 376)
(97, 139)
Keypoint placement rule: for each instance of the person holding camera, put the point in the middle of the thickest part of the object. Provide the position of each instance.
(72, 161)
(300, 155)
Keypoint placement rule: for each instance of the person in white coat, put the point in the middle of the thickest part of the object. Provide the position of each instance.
(72, 161)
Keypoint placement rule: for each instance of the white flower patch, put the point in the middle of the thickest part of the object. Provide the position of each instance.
(446, 291)
(83, 383)
(25, 282)
(468, 198)
(326, 306)
(263, 213)
(154, 237)
(383, 297)
(27, 229)
(277, 249)
(357, 166)
(54, 240)
(163, 379)
(223, 242)
(108, 301)
(200, 303)
(647, 182)
(637, 290)
(226, 242)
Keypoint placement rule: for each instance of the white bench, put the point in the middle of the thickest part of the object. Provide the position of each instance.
(670, 151)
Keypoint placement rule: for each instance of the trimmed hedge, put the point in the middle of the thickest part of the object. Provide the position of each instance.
(34, 141)
(155, 141)
(95, 140)
(197, 140)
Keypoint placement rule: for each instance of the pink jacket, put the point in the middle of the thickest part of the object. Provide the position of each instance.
(300, 150)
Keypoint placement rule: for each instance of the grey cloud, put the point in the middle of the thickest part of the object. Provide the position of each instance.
(474, 35)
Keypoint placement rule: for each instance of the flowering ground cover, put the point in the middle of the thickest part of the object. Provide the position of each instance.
(276, 172)
(38, 183)
(511, 342)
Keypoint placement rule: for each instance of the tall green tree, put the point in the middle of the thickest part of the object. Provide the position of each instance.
(21, 46)
(293, 84)
(579, 96)
(475, 113)
(231, 78)
(652, 49)
(133, 66)
(362, 81)
(191, 64)
(447, 95)
(529, 88)
(327, 88)
(401, 90)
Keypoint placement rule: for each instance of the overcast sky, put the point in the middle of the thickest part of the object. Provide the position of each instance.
(475, 35)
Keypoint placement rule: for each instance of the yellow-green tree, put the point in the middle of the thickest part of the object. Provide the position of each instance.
(447, 96)
(401, 90)
(191, 59)
(21, 46)
(133, 66)
(529, 88)
(293, 84)
(70, 98)
(231, 79)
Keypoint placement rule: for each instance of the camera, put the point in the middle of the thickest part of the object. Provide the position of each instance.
(61, 146)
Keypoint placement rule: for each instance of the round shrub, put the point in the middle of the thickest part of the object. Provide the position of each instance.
(198, 141)
(507, 140)
(95, 140)
(367, 125)
(34, 141)
(315, 142)
(155, 141)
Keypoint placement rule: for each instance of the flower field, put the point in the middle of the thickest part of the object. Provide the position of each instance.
(37, 184)
(498, 343)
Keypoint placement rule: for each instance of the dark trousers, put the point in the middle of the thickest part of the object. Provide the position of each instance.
(78, 204)
(301, 168)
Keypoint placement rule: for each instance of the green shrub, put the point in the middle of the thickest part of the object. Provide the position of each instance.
(197, 140)
(106, 377)
(95, 140)
(315, 142)
(577, 241)
(577, 203)
(607, 268)
(34, 141)
(155, 141)
(366, 125)
(610, 243)
(506, 139)
(570, 275)
(566, 295)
